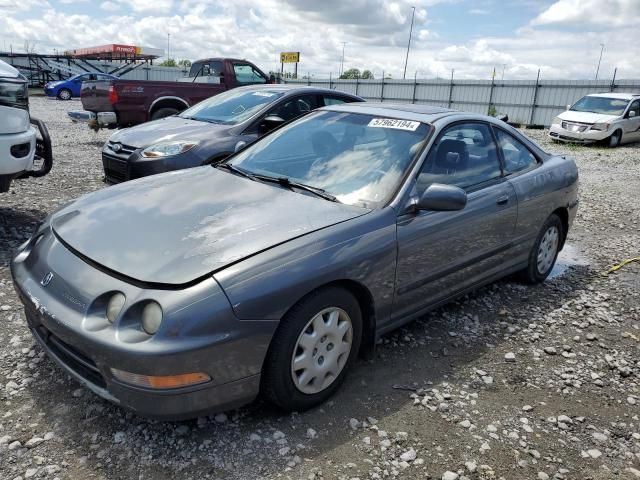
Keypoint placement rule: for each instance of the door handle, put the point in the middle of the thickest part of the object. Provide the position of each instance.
(503, 200)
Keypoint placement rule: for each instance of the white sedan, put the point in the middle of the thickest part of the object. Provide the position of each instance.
(610, 117)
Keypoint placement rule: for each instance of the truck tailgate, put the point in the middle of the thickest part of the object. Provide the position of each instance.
(95, 96)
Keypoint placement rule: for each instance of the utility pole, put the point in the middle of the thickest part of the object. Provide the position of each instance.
(168, 44)
(504, 65)
(342, 60)
(406, 60)
(599, 60)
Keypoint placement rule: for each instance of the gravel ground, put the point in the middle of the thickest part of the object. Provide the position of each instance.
(512, 382)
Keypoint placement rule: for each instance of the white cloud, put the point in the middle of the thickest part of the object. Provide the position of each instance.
(110, 6)
(614, 13)
(376, 33)
(21, 5)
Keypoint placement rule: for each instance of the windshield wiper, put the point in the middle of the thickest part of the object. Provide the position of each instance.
(207, 120)
(234, 169)
(286, 182)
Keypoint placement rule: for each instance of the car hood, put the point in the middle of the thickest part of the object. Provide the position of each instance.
(168, 129)
(586, 117)
(178, 227)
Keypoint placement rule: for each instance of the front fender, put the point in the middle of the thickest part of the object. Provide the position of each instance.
(361, 250)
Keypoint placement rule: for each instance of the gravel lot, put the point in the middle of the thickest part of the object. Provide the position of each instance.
(512, 382)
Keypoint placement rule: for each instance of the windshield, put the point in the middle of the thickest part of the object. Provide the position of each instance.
(603, 105)
(231, 107)
(359, 159)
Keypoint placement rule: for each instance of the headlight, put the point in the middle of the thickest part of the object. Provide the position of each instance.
(151, 317)
(115, 304)
(601, 127)
(168, 149)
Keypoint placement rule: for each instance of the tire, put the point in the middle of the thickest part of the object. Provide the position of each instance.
(299, 389)
(163, 112)
(614, 139)
(64, 94)
(545, 251)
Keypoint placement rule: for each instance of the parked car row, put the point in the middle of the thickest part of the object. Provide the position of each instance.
(312, 224)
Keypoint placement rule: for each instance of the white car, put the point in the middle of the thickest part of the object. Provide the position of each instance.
(610, 117)
(19, 145)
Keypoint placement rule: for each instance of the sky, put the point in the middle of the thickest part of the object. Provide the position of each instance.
(562, 38)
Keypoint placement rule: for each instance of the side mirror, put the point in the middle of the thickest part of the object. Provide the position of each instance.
(568, 107)
(631, 114)
(270, 122)
(442, 198)
(503, 116)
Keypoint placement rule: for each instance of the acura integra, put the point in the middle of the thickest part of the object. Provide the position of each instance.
(193, 291)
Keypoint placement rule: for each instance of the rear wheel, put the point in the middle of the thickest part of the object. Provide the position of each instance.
(314, 346)
(163, 112)
(64, 94)
(545, 251)
(614, 139)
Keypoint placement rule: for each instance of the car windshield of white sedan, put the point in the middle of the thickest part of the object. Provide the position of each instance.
(603, 105)
(359, 159)
(231, 107)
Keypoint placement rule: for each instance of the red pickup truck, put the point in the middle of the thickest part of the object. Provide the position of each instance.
(124, 103)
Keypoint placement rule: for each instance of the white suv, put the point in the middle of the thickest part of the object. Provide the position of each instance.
(19, 145)
(610, 117)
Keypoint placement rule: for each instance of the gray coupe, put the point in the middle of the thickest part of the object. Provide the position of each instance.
(193, 291)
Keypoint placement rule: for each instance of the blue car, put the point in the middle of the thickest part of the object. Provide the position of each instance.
(66, 89)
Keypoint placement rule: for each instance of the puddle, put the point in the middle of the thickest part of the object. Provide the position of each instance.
(568, 258)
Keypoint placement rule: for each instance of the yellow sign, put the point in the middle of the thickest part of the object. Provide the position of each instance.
(289, 57)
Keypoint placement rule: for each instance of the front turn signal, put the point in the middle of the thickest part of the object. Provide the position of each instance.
(161, 382)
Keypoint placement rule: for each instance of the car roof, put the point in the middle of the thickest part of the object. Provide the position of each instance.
(622, 96)
(420, 113)
(293, 88)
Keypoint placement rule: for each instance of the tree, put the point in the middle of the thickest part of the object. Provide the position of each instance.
(171, 62)
(354, 73)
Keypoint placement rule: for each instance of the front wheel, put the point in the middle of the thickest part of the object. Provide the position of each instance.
(545, 251)
(64, 94)
(614, 139)
(314, 346)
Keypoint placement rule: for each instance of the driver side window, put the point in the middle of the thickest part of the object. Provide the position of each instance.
(516, 156)
(635, 107)
(465, 155)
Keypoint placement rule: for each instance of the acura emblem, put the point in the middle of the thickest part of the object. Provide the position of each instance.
(46, 280)
(116, 147)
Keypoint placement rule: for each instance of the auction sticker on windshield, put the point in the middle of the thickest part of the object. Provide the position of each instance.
(394, 123)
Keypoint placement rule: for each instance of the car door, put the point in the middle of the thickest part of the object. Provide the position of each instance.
(632, 123)
(443, 253)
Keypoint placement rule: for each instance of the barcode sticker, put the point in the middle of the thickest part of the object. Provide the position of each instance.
(394, 123)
